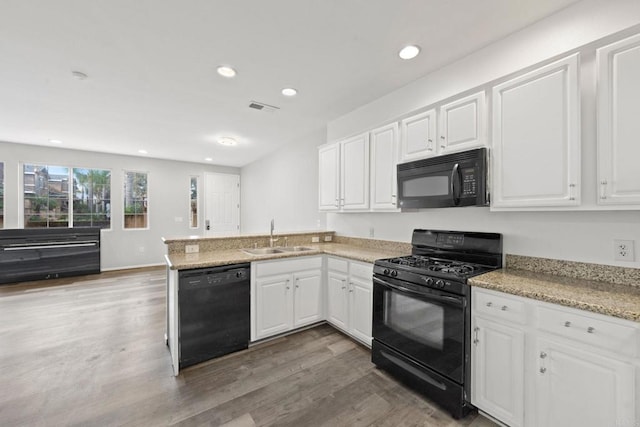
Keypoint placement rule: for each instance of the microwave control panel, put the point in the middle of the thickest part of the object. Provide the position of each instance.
(469, 182)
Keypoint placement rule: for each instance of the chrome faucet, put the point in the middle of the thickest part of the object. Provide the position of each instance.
(271, 239)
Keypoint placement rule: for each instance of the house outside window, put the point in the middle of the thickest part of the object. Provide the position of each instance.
(135, 200)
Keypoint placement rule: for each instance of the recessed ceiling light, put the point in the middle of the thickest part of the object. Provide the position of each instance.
(409, 52)
(289, 91)
(225, 71)
(208, 159)
(142, 151)
(55, 141)
(79, 75)
(225, 140)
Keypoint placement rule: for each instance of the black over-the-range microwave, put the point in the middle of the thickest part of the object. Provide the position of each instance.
(451, 180)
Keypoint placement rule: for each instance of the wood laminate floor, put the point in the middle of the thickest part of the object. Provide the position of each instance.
(91, 351)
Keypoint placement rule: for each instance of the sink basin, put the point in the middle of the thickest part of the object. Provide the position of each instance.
(262, 251)
(295, 249)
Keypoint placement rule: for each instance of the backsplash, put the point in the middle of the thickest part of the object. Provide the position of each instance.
(580, 270)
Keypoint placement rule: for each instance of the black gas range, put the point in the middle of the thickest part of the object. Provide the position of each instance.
(422, 312)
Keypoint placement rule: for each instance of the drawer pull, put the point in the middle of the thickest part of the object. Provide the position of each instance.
(543, 355)
(567, 324)
(543, 370)
(504, 308)
(591, 329)
(489, 304)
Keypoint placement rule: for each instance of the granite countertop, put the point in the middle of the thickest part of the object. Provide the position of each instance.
(611, 299)
(236, 256)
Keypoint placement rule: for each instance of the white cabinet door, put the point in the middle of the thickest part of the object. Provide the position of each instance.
(337, 299)
(307, 305)
(418, 136)
(354, 172)
(360, 309)
(274, 305)
(578, 388)
(536, 138)
(498, 370)
(619, 122)
(384, 149)
(329, 177)
(462, 124)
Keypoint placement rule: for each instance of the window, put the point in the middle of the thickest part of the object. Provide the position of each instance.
(193, 203)
(1, 195)
(46, 196)
(135, 200)
(91, 198)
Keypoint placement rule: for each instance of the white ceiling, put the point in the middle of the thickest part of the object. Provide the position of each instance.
(151, 64)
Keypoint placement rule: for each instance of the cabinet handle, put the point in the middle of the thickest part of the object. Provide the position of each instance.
(344, 284)
(567, 324)
(337, 203)
(543, 370)
(603, 189)
(543, 355)
(351, 287)
(489, 304)
(504, 308)
(571, 195)
(475, 335)
(591, 329)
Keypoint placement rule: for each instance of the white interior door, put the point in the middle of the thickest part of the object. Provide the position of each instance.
(222, 204)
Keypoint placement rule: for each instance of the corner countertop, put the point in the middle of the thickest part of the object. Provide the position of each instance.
(236, 256)
(611, 299)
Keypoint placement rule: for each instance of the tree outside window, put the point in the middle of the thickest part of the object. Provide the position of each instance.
(193, 203)
(135, 200)
(91, 198)
(46, 196)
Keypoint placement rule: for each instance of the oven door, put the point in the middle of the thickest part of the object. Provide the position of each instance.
(424, 324)
(435, 186)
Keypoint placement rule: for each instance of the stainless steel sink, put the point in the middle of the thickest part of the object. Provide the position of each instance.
(295, 249)
(278, 250)
(262, 251)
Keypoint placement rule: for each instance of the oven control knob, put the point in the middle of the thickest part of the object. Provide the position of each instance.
(429, 281)
(394, 273)
(440, 283)
(386, 272)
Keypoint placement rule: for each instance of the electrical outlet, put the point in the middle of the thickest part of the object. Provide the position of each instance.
(328, 238)
(315, 239)
(191, 249)
(623, 250)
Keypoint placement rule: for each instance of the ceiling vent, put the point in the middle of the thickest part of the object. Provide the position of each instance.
(263, 107)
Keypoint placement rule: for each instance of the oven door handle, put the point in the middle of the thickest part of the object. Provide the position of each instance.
(457, 301)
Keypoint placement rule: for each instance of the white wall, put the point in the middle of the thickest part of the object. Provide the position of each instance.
(168, 194)
(283, 186)
(576, 235)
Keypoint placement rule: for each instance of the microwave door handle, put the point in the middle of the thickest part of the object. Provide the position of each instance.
(455, 178)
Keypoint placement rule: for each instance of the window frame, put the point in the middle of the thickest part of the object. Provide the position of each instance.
(2, 199)
(197, 204)
(124, 202)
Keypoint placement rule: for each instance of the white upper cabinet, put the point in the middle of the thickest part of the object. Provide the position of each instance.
(418, 136)
(329, 177)
(619, 122)
(462, 124)
(384, 157)
(536, 138)
(354, 172)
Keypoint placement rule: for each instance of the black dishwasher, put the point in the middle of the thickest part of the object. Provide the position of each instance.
(214, 307)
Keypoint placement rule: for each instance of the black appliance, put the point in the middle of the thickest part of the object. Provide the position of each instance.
(48, 253)
(422, 312)
(214, 312)
(451, 180)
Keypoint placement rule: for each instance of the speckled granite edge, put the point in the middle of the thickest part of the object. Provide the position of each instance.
(579, 270)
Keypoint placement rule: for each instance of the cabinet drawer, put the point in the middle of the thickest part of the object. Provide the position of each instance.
(340, 265)
(268, 268)
(362, 270)
(500, 307)
(588, 329)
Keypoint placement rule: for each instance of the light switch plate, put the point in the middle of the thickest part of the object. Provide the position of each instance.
(328, 238)
(191, 249)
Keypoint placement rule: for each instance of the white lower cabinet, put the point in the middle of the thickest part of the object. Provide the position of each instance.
(287, 294)
(350, 297)
(540, 364)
